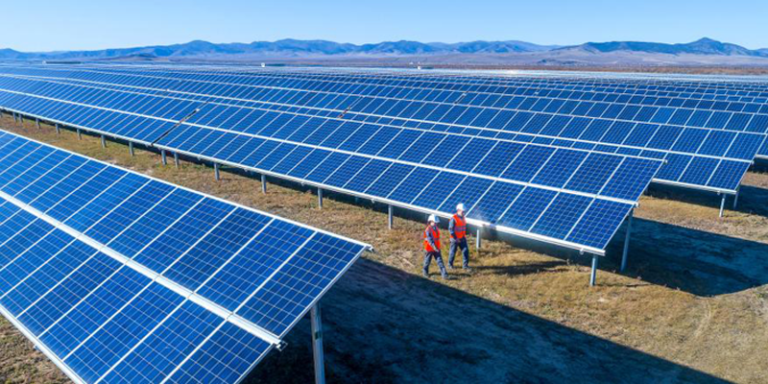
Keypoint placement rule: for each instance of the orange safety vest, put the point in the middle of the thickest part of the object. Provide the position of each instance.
(460, 228)
(435, 235)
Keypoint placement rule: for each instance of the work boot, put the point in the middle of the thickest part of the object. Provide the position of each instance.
(450, 266)
(425, 274)
(467, 269)
(444, 275)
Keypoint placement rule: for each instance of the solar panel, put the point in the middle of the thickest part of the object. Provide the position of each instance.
(116, 276)
(713, 161)
(329, 152)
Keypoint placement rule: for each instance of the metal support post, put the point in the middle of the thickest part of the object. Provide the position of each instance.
(176, 159)
(165, 158)
(736, 199)
(263, 183)
(319, 198)
(478, 240)
(79, 134)
(21, 120)
(103, 141)
(58, 129)
(37, 122)
(216, 171)
(130, 148)
(593, 275)
(722, 204)
(626, 241)
(390, 219)
(317, 344)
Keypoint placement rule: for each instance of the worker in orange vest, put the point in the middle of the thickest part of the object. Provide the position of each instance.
(458, 230)
(432, 247)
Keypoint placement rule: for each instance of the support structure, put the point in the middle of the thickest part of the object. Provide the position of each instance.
(736, 199)
(722, 204)
(390, 218)
(165, 158)
(478, 239)
(626, 241)
(263, 183)
(21, 120)
(37, 122)
(593, 275)
(79, 134)
(58, 129)
(103, 141)
(130, 148)
(317, 344)
(319, 198)
(176, 159)
(216, 171)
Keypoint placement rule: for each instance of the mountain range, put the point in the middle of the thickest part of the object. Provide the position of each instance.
(703, 51)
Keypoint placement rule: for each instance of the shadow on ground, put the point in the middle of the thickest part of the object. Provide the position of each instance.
(697, 262)
(383, 325)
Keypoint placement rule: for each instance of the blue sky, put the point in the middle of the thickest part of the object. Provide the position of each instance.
(77, 24)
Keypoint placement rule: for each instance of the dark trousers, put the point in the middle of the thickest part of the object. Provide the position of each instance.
(461, 243)
(428, 256)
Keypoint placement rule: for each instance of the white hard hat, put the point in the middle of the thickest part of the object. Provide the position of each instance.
(433, 219)
(460, 207)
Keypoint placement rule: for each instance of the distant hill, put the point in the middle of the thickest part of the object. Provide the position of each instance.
(476, 53)
(287, 47)
(703, 46)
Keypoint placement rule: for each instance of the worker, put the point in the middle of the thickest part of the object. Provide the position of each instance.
(457, 227)
(432, 247)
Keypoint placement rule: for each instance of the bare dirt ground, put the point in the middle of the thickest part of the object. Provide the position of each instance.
(692, 307)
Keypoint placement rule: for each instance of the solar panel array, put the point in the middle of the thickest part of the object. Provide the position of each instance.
(118, 277)
(572, 197)
(705, 149)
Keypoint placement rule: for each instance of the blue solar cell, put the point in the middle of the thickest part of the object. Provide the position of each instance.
(627, 182)
(169, 344)
(468, 193)
(414, 184)
(225, 358)
(254, 264)
(590, 228)
(201, 261)
(179, 237)
(527, 208)
(95, 355)
(699, 171)
(498, 159)
(593, 173)
(561, 216)
(347, 171)
(559, 168)
(289, 294)
(728, 174)
(153, 222)
(327, 167)
(370, 173)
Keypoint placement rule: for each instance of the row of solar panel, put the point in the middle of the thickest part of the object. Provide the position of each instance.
(102, 317)
(520, 207)
(708, 86)
(628, 138)
(711, 87)
(389, 88)
(705, 170)
(693, 113)
(550, 125)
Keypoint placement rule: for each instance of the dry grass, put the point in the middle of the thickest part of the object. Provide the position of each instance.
(693, 307)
